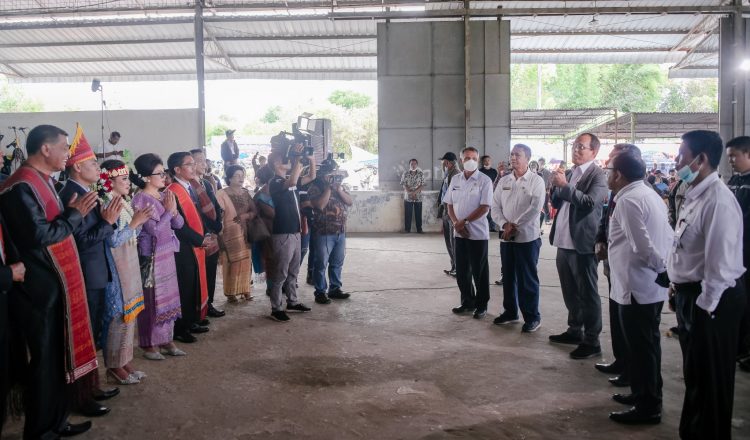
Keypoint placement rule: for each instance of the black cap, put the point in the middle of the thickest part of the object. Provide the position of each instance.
(328, 165)
(229, 132)
(451, 156)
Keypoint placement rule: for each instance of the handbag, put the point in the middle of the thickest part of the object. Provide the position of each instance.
(256, 230)
(147, 269)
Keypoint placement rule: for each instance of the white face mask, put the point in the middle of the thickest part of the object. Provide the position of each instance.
(471, 165)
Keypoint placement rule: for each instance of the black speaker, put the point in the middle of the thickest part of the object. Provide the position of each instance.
(95, 84)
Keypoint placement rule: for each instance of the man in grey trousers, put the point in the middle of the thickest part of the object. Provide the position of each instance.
(579, 195)
(285, 238)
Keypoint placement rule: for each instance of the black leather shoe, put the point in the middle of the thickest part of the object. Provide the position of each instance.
(106, 394)
(322, 299)
(338, 294)
(635, 417)
(625, 399)
(187, 338)
(93, 409)
(198, 329)
(214, 312)
(463, 309)
(204, 322)
(72, 430)
(565, 338)
(611, 368)
(585, 351)
(619, 381)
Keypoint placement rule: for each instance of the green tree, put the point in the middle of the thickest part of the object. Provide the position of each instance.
(272, 115)
(631, 87)
(13, 99)
(691, 95)
(523, 86)
(349, 99)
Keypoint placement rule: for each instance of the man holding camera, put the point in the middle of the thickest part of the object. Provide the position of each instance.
(331, 203)
(285, 238)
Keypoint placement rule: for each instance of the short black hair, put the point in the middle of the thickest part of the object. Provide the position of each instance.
(175, 160)
(628, 148)
(595, 143)
(741, 143)
(145, 164)
(486, 156)
(526, 149)
(111, 164)
(630, 166)
(705, 142)
(115, 134)
(197, 151)
(413, 160)
(231, 171)
(265, 174)
(40, 135)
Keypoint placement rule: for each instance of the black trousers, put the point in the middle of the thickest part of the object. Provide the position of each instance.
(450, 240)
(640, 327)
(520, 278)
(619, 345)
(95, 298)
(471, 264)
(744, 338)
(709, 351)
(212, 263)
(188, 283)
(415, 209)
(46, 397)
(578, 279)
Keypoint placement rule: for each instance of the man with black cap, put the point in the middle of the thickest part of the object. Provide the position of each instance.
(450, 169)
(331, 203)
(230, 152)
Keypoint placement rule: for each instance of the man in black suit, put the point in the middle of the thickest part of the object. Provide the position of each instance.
(90, 237)
(579, 194)
(211, 217)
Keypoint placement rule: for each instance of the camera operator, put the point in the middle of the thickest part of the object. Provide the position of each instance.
(331, 203)
(285, 238)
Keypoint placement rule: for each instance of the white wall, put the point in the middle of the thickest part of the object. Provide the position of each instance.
(143, 131)
(383, 211)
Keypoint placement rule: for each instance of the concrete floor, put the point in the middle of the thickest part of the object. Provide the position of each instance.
(392, 362)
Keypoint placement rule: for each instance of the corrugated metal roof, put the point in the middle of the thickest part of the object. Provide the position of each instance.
(116, 42)
(656, 125)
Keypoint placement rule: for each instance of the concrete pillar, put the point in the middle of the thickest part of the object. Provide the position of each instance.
(733, 83)
(200, 74)
(422, 94)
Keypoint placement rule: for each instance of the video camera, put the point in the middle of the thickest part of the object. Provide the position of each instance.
(284, 143)
(334, 176)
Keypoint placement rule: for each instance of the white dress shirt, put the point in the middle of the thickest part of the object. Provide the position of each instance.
(519, 201)
(466, 195)
(109, 148)
(563, 239)
(639, 242)
(707, 244)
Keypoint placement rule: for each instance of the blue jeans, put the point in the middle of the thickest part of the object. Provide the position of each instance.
(257, 255)
(520, 279)
(330, 251)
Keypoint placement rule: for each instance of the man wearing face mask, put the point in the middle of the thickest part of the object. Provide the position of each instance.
(469, 198)
(705, 267)
(579, 194)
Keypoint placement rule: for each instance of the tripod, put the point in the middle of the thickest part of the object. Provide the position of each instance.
(96, 85)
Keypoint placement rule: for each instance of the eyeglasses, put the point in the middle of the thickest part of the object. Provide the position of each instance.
(580, 147)
(162, 174)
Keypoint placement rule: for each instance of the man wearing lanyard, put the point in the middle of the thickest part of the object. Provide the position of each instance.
(705, 268)
(468, 199)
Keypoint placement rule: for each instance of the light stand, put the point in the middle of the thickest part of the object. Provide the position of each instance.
(96, 86)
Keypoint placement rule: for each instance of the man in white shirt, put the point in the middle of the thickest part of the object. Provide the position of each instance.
(578, 195)
(705, 267)
(516, 205)
(110, 150)
(638, 244)
(468, 199)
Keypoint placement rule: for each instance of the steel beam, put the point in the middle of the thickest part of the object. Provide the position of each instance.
(200, 73)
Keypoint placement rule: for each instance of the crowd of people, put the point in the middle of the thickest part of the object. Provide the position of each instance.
(688, 249)
(85, 260)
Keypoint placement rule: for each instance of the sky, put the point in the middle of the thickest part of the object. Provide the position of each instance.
(243, 99)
